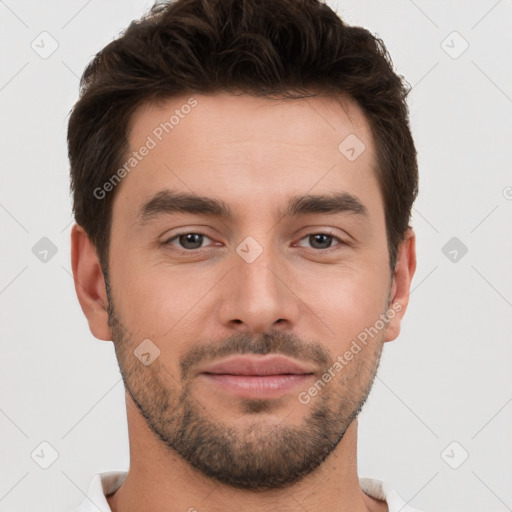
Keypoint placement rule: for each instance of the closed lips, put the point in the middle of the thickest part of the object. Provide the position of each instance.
(258, 366)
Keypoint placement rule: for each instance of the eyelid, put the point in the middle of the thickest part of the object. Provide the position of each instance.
(185, 230)
(175, 236)
(325, 232)
(317, 231)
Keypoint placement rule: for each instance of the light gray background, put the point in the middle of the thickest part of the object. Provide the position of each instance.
(447, 378)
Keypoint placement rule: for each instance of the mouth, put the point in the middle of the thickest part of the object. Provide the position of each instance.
(257, 376)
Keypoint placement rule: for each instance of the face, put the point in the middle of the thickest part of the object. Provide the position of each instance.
(279, 252)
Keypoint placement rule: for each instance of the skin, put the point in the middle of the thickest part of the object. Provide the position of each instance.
(309, 302)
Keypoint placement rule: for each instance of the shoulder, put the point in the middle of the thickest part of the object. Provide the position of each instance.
(385, 492)
(101, 485)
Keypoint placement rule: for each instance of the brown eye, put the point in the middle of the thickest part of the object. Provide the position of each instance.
(321, 240)
(188, 241)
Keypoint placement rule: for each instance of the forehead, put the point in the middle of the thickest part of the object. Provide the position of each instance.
(247, 150)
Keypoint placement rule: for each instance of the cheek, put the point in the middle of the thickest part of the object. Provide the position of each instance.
(346, 301)
(158, 300)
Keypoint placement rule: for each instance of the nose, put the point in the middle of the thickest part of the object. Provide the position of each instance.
(259, 296)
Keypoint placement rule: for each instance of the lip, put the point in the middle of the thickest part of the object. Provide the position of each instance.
(257, 376)
(258, 365)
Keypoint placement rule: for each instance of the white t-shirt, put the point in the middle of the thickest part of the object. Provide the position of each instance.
(107, 483)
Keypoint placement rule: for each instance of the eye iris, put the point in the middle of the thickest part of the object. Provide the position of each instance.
(191, 240)
(320, 240)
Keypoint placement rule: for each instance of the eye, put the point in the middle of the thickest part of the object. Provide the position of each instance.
(192, 241)
(187, 241)
(321, 240)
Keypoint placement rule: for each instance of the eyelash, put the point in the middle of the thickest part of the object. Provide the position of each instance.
(191, 251)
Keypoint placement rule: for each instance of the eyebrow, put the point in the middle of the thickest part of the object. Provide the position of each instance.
(167, 202)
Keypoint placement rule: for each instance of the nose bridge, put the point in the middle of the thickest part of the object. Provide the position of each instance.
(255, 276)
(258, 295)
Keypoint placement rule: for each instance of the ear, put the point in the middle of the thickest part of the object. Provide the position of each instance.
(401, 284)
(89, 283)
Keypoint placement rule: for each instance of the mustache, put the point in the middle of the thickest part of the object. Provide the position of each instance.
(274, 342)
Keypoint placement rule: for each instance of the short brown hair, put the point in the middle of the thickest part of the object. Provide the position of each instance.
(284, 48)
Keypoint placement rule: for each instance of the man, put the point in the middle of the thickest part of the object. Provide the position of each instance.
(243, 174)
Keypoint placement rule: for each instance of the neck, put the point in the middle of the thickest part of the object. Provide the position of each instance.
(159, 479)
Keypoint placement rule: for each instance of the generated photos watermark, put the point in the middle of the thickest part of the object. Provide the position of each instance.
(151, 142)
(356, 346)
